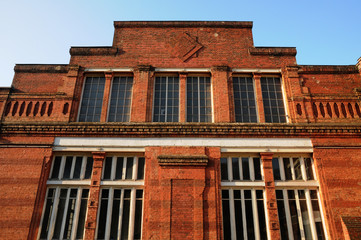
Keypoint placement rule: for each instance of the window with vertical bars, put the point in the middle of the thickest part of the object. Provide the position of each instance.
(92, 100)
(298, 201)
(244, 99)
(243, 205)
(274, 109)
(66, 199)
(120, 99)
(166, 99)
(199, 106)
(121, 198)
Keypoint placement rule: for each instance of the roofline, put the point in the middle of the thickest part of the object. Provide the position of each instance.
(181, 24)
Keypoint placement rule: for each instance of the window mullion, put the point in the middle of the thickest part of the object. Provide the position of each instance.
(76, 214)
(244, 216)
(132, 214)
(240, 168)
(61, 169)
(120, 213)
(109, 213)
(114, 168)
(251, 168)
(232, 214)
(72, 167)
(299, 214)
(65, 213)
(322, 211)
(255, 215)
(282, 169)
(53, 214)
(310, 214)
(292, 169)
(229, 169)
(124, 170)
(135, 168)
(83, 166)
(303, 169)
(288, 214)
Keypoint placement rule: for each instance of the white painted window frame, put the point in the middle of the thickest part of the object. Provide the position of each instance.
(295, 185)
(166, 93)
(122, 184)
(58, 184)
(242, 185)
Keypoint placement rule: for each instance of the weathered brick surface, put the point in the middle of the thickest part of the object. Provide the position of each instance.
(322, 102)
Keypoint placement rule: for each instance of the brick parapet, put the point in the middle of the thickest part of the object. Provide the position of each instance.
(182, 24)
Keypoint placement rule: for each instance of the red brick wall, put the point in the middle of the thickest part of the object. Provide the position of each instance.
(20, 171)
(338, 170)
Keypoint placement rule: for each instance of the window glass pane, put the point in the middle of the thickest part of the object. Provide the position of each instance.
(89, 168)
(103, 213)
(92, 96)
(226, 216)
(198, 99)
(60, 212)
(276, 169)
(245, 168)
(119, 170)
(272, 99)
(297, 167)
(69, 221)
(141, 162)
(308, 166)
(293, 213)
(82, 214)
(56, 168)
(304, 214)
(257, 168)
(138, 214)
(120, 99)
(107, 168)
(224, 171)
(235, 169)
(115, 214)
(287, 168)
(67, 168)
(166, 99)
(261, 214)
(47, 213)
(77, 169)
(129, 173)
(249, 214)
(125, 219)
(282, 214)
(244, 99)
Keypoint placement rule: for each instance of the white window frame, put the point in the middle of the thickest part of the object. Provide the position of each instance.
(243, 185)
(110, 96)
(82, 96)
(166, 102)
(211, 93)
(122, 184)
(295, 185)
(58, 184)
(254, 94)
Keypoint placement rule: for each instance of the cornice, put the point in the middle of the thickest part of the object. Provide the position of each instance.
(273, 51)
(223, 130)
(327, 69)
(182, 24)
(41, 68)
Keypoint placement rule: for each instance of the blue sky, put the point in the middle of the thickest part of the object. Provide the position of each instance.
(42, 31)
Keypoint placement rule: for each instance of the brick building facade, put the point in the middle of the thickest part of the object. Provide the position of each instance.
(181, 130)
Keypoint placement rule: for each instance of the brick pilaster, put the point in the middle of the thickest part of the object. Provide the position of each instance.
(106, 96)
(93, 202)
(142, 88)
(271, 201)
(221, 103)
(259, 98)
